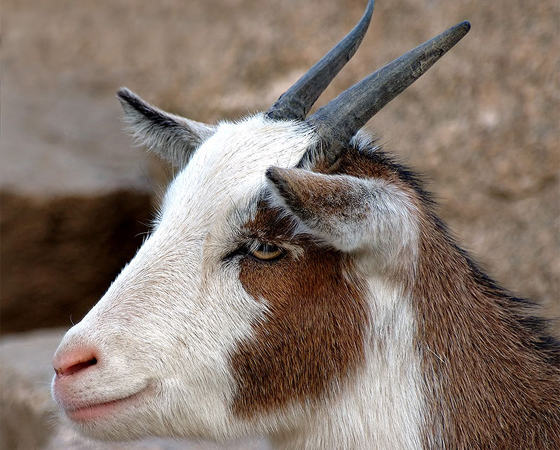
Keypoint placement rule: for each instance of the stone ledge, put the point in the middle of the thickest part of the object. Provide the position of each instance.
(75, 201)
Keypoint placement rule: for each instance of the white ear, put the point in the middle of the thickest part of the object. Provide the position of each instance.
(350, 213)
(172, 137)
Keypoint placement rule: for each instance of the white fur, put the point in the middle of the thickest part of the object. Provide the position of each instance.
(384, 407)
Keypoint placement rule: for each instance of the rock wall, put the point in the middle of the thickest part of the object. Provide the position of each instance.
(75, 199)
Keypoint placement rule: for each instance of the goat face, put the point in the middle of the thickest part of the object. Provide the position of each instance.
(224, 309)
(178, 334)
(246, 307)
(166, 329)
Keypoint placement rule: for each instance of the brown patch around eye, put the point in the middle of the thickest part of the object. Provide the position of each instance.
(313, 337)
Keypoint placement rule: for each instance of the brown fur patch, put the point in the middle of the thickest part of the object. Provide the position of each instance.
(313, 338)
(493, 384)
(317, 197)
(492, 373)
(492, 370)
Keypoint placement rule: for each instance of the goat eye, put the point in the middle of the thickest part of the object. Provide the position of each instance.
(267, 252)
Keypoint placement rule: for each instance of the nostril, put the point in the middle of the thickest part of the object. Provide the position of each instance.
(72, 362)
(79, 366)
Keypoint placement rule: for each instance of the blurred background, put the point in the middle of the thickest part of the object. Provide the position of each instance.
(76, 197)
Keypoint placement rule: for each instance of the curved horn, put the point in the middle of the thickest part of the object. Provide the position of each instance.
(296, 102)
(339, 120)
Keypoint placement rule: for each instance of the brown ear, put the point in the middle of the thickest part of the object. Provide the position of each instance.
(349, 213)
(332, 206)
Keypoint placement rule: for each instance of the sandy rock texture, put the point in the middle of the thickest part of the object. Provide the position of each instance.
(29, 418)
(75, 199)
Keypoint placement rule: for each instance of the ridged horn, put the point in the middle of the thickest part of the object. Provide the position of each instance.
(339, 120)
(296, 102)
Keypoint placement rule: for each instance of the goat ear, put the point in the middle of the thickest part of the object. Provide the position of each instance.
(172, 137)
(350, 213)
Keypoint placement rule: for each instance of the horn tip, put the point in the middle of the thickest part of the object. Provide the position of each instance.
(454, 34)
(464, 26)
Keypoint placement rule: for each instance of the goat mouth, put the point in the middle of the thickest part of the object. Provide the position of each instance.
(93, 411)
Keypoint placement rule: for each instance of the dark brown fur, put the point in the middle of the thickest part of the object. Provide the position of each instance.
(497, 376)
(313, 337)
(492, 371)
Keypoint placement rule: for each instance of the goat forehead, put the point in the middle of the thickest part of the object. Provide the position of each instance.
(229, 167)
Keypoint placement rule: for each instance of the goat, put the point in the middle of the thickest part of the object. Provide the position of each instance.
(299, 285)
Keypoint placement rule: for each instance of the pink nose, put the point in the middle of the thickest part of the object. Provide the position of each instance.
(75, 360)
